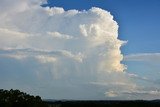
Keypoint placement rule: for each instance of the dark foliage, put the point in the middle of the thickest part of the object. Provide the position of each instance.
(15, 98)
(138, 103)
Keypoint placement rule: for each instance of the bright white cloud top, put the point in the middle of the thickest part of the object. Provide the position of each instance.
(61, 54)
(84, 36)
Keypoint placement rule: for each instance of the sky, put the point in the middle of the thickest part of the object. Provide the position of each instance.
(83, 49)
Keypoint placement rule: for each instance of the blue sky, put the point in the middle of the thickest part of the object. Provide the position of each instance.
(138, 20)
(73, 49)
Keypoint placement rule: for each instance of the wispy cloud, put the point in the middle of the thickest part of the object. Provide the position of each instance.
(47, 56)
(143, 57)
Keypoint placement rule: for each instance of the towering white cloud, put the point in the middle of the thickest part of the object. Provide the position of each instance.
(66, 50)
(92, 33)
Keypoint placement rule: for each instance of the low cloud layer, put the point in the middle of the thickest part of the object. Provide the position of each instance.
(61, 54)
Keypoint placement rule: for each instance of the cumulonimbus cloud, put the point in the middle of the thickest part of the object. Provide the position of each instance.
(92, 33)
(68, 50)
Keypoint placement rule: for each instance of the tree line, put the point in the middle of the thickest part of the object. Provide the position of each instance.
(16, 98)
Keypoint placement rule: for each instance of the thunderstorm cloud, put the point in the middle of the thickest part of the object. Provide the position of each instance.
(61, 54)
